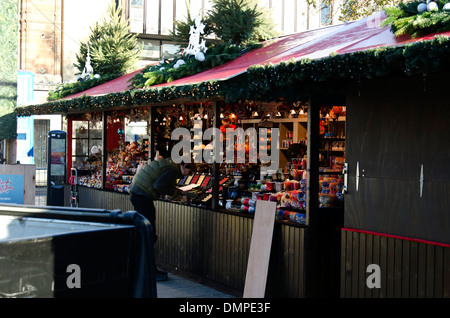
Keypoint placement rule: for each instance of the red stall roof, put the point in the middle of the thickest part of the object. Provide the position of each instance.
(350, 37)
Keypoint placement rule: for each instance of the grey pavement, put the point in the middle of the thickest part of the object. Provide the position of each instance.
(179, 287)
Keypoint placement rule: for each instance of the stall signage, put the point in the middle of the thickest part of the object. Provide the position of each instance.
(12, 188)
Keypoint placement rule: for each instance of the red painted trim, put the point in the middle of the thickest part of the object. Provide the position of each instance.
(397, 237)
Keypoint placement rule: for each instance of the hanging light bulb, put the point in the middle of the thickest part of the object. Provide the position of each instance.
(222, 116)
(205, 117)
(233, 116)
(255, 113)
(293, 112)
(181, 118)
(301, 111)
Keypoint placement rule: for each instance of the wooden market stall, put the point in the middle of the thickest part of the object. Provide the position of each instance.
(212, 242)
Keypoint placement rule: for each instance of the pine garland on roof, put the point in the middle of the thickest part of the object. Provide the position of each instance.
(290, 80)
(418, 18)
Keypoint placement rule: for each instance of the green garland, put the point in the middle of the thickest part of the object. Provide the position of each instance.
(405, 19)
(289, 80)
(67, 89)
(165, 72)
(418, 58)
(139, 97)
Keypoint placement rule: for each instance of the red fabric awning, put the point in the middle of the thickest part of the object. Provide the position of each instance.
(350, 37)
(119, 84)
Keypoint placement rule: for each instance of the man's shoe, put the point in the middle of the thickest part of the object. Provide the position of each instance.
(161, 276)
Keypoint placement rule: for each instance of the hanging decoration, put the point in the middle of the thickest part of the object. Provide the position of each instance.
(419, 18)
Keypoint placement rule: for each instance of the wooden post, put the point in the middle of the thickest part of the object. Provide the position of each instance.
(312, 181)
(312, 197)
(216, 166)
(151, 144)
(104, 147)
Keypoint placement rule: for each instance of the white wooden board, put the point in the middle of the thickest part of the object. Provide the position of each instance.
(260, 246)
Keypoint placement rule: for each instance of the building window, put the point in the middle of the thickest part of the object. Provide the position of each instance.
(136, 16)
(169, 49)
(325, 12)
(151, 50)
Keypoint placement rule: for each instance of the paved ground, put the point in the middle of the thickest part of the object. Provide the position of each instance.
(179, 287)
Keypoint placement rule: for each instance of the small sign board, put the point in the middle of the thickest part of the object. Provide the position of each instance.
(260, 246)
(12, 188)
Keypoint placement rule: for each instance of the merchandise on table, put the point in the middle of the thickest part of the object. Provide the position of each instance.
(286, 186)
(122, 166)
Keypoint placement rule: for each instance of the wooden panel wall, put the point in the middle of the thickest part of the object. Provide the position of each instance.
(397, 128)
(213, 245)
(409, 269)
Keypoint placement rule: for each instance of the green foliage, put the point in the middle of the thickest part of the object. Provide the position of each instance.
(238, 22)
(113, 49)
(420, 58)
(68, 89)
(165, 72)
(290, 80)
(182, 27)
(356, 9)
(233, 21)
(405, 19)
(9, 29)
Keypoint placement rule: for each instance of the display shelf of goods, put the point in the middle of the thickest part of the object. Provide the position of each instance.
(197, 190)
(90, 178)
(87, 153)
(332, 141)
(146, 148)
(286, 187)
(122, 166)
(330, 189)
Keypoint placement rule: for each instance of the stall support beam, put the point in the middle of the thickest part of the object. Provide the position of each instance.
(312, 181)
(104, 147)
(151, 144)
(312, 198)
(216, 167)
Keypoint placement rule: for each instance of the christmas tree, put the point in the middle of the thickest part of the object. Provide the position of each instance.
(112, 49)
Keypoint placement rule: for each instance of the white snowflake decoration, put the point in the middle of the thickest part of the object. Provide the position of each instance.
(196, 44)
(88, 70)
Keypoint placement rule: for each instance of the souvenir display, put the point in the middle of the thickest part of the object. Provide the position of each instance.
(242, 181)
